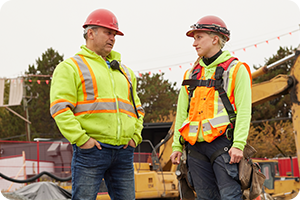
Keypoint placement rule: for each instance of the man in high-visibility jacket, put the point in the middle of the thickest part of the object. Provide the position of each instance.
(203, 121)
(96, 107)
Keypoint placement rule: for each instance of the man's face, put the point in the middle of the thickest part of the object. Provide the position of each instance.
(103, 41)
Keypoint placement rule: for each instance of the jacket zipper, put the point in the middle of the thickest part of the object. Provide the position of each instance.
(117, 105)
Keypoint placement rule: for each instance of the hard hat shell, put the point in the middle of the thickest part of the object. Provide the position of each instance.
(104, 18)
(210, 23)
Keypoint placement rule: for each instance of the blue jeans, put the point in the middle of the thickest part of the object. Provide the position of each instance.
(90, 166)
(217, 181)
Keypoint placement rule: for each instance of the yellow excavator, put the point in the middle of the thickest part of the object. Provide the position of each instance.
(158, 179)
(277, 186)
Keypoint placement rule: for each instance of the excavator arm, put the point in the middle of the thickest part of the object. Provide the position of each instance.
(268, 90)
(295, 98)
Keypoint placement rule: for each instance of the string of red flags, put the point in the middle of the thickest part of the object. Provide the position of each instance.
(160, 69)
(38, 81)
(29, 79)
(266, 41)
(174, 66)
(41, 79)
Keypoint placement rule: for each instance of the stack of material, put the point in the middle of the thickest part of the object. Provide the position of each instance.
(42, 191)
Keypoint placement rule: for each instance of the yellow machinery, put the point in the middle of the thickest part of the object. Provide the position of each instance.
(276, 186)
(156, 179)
(280, 187)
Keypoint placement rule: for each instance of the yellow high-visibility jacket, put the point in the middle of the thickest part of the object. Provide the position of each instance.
(89, 99)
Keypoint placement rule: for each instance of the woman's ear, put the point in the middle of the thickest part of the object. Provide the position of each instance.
(215, 39)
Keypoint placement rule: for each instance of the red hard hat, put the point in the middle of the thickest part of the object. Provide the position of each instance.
(104, 18)
(210, 23)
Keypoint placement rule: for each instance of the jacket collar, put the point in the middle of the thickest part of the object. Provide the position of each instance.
(113, 55)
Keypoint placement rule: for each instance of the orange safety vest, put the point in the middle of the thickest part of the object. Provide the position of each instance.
(207, 112)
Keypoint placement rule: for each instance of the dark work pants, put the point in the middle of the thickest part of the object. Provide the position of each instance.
(218, 181)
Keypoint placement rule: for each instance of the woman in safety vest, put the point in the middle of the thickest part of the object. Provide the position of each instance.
(214, 100)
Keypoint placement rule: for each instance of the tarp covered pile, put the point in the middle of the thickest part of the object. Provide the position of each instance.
(42, 191)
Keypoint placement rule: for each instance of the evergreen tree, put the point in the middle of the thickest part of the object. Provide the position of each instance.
(11, 126)
(43, 125)
(279, 107)
(37, 84)
(158, 97)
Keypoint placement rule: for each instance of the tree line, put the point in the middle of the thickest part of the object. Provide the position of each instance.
(159, 99)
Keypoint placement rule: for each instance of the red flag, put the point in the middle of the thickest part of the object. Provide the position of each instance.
(255, 45)
(267, 42)
(47, 81)
(170, 68)
(180, 66)
(38, 81)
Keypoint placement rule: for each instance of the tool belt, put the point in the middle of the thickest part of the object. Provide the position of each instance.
(250, 177)
(249, 174)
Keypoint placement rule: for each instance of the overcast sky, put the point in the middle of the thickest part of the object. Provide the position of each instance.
(154, 31)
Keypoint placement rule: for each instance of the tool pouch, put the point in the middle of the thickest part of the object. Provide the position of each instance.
(186, 188)
(249, 174)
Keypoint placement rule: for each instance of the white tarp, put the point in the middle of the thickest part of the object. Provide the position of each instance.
(15, 92)
(42, 191)
(2, 87)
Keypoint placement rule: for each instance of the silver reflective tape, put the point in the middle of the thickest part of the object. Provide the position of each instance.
(226, 74)
(220, 105)
(89, 88)
(226, 83)
(60, 106)
(141, 109)
(206, 127)
(95, 106)
(126, 106)
(127, 73)
(219, 120)
(193, 129)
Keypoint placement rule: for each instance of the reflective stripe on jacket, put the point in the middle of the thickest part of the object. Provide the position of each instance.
(207, 113)
(88, 99)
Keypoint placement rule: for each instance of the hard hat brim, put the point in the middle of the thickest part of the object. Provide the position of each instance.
(118, 32)
(190, 33)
